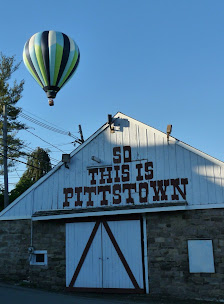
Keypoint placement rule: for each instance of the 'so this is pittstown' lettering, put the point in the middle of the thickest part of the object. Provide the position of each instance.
(126, 182)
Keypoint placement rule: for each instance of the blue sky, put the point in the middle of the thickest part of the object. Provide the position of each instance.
(161, 62)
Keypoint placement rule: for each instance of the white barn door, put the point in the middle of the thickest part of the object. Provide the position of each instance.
(104, 255)
(80, 257)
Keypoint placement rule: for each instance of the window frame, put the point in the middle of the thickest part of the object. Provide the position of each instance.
(33, 258)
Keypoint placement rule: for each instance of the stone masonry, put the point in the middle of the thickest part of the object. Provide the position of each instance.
(14, 258)
(168, 233)
(50, 236)
(15, 238)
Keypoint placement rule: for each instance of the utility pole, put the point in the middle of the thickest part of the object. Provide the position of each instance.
(6, 186)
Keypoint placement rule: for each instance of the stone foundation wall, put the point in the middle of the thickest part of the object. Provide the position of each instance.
(50, 236)
(168, 234)
(14, 258)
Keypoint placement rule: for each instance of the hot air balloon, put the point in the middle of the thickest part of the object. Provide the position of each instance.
(52, 59)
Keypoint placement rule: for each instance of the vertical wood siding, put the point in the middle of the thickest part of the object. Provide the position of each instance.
(170, 161)
(77, 235)
(103, 267)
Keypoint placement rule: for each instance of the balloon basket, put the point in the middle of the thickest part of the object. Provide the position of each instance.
(51, 102)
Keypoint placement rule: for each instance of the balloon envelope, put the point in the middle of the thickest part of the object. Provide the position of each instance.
(51, 58)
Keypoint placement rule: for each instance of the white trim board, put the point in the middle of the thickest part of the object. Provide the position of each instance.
(116, 212)
(13, 218)
(130, 211)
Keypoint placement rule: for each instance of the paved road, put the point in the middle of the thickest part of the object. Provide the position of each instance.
(22, 295)
(10, 294)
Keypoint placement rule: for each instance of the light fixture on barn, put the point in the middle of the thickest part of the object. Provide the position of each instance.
(66, 160)
(168, 131)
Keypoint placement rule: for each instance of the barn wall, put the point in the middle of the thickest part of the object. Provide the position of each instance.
(14, 242)
(168, 234)
(14, 257)
(154, 164)
(49, 236)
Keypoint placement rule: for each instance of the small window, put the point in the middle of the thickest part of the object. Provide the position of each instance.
(39, 257)
(201, 259)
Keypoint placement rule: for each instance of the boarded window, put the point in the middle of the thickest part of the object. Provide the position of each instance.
(200, 254)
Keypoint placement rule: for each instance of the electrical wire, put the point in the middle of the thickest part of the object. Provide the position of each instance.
(44, 140)
(32, 150)
(8, 157)
(43, 119)
(13, 177)
(52, 158)
(46, 126)
(17, 173)
(28, 155)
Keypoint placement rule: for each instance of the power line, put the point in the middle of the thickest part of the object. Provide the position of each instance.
(32, 150)
(43, 119)
(21, 162)
(17, 173)
(46, 126)
(39, 123)
(28, 155)
(52, 158)
(44, 140)
(65, 144)
(21, 170)
(12, 177)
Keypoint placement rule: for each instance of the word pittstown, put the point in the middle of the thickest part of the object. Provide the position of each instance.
(112, 184)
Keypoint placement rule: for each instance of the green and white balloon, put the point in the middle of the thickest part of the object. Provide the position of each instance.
(52, 59)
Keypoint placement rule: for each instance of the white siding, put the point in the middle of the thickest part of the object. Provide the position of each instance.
(128, 236)
(77, 235)
(170, 161)
(102, 267)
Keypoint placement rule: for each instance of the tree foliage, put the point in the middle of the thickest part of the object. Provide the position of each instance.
(10, 94)
(38, 164)
(23, 184)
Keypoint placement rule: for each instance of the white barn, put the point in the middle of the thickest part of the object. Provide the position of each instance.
(131, 210)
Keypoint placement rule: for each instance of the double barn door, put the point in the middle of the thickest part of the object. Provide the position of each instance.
(104, 255)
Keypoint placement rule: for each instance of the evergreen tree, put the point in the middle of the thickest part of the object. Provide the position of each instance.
(38, 164)
(10, 94)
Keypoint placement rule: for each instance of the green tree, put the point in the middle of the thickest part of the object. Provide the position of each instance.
(10, 94)
(38, 164)
(22, 185)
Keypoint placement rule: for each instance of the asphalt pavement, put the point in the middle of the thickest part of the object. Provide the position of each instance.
(17, 294)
